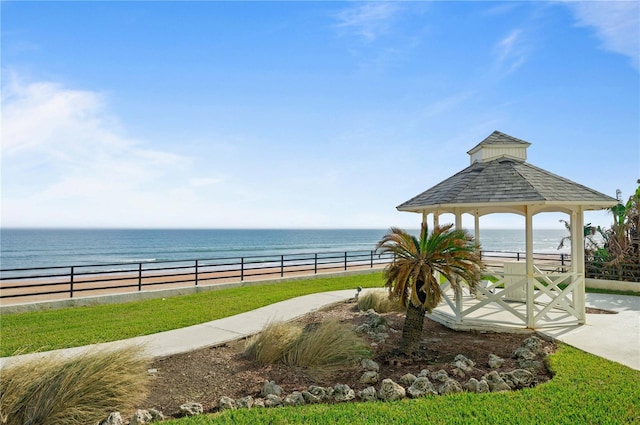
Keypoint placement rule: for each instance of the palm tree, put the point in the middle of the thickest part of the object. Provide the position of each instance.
(411, 277)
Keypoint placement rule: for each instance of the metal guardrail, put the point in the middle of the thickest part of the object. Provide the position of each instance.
(71, 281)
(125, 277)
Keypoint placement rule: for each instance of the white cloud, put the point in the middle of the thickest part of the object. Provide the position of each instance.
(368, 20)
(617, 25)
(64, 161)
(511, 51)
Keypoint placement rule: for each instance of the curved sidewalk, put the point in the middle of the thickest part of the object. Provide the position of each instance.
(612, 336)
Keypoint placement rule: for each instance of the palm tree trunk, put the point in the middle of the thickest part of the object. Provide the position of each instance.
(412, 329)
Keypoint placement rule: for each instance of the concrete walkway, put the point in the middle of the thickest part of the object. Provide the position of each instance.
(612, 336)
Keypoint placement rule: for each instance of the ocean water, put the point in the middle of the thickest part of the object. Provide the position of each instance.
(28, 248)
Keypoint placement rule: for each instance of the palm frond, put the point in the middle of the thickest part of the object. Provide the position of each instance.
(411, 276)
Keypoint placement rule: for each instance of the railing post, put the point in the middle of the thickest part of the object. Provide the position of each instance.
(345, 260)
(517, 256)
(196, 273)
(241, 269)
(315, 263)
(371, 258)
(71, 283)
(562, 259)
(281, 265)
(139, 277)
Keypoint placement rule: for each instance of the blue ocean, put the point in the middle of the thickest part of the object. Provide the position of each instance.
(28, 248)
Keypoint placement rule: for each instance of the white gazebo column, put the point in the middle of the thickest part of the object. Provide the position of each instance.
(476, 225)
(424, 220)
(458, 225)
(530, 278)
(436, 219)
(577, 262)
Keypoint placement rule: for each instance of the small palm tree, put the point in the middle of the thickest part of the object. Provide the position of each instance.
(411, 277)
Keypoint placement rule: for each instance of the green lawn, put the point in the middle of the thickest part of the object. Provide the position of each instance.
(585, 390)
(76, 326)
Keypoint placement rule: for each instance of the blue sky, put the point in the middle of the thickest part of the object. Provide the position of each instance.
(302, 114)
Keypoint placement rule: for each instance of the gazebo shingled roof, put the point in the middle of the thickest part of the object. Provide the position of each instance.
(505, 181)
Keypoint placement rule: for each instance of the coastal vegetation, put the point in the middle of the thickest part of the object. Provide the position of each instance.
(618, 255)
(412, 276)
(379, 301)
(321, 349)
(57, 391)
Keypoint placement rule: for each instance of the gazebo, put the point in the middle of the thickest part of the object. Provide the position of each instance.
(519, 296)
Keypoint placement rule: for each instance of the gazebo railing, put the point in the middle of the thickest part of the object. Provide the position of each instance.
(510, 300)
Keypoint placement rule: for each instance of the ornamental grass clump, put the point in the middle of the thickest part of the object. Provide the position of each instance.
(380, 302)
(326, 347)
(273, 343)
(80, 390)
(322, 348)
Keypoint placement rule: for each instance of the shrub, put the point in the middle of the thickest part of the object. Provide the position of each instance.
(80, 390)
(326, 347)
(322, 348)
(379, 301)
(271, 345)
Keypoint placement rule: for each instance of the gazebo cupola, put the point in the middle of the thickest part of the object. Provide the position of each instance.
(499, 180)
(499, 145)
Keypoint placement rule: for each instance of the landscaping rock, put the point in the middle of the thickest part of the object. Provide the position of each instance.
(495, 362)
(463, 363)
(421, 387)
(310, 398)
(408, 379)
(425, 373)
(322, 393)
(140, 417)
(532, 365)
(440, 376)
(375, 320)
(368, 364)
(191, 409)
(379, 337)
(270, 387)
(450, 386)
(368, 394)
(272, 400)
(342, 392)
(294, 399)
(523, 353)
(369, 377)
(245, 402)
(226, 403)
(534, 344)
(458, 372)
(496, 383)
(390, 391)
(114, 418)
(475, 386)
(258, 403)
(519, 378)
(156, 415)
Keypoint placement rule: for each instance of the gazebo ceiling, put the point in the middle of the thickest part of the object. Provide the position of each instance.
(499, 180)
